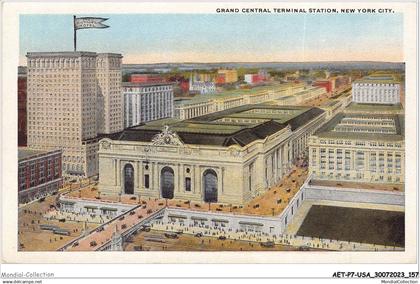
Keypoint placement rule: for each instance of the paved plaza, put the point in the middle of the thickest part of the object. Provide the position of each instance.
(32, 237)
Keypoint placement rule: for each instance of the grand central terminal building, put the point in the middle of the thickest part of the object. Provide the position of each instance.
(229, 156)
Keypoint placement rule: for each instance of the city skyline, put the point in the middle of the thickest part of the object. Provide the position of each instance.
(176, 38)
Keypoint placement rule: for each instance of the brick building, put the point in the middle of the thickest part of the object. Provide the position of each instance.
(326, 84)
(145, 78)
(22, 135)
(39, 173)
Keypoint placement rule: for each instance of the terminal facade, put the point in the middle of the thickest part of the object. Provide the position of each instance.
(226, 157)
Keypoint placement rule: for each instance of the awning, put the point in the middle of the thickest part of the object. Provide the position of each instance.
(67, 202)
(198, 218)
(220, 220)
(91, 207)
(250, 223)
(109, 209)
(177, 216)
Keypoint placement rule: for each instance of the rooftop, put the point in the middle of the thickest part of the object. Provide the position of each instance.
(61, 53)
(25, 153)
(146, 84)
(374, 108)
(378, 79)
(304, 92)
(237, 126)
(330, 103)
(234, 93)
(358, 185)
(363, 128)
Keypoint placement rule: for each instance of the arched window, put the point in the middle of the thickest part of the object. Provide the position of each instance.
(210, 186)
(167, 182)
(128, 179)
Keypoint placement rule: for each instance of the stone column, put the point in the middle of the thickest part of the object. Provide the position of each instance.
(136, 175)
(152, 175)
(280, 161)
(118, 172)
(115, 169)
(276, 163)
(140, 174)
(197, 181)
(177, 178)
(222, 179)
(219, 181)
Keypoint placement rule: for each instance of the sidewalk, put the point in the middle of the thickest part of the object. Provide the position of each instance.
(285, 239)
(97, 219)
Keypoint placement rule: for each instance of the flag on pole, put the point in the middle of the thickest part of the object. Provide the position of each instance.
(89, 23)
(86, 23)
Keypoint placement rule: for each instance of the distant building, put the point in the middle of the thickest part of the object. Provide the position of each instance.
(252, 79)
(376, 89)
(39, 173)
(263, 74)
(144, 102)
(146, 78)
(363, 147)
(201, 105)
(22, 127)
(202, 87)
(342, 81)
(226, 76)
(205, 77)
(326, 84)
(299, 97)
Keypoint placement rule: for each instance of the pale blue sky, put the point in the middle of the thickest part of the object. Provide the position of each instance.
(145, 38)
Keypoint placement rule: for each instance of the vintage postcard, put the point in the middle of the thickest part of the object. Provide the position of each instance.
(165, 132)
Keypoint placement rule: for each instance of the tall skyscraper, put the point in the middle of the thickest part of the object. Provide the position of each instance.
(110, 99)
(67, 93)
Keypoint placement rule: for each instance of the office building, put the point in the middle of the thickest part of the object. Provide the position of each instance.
(145, 102)
(376, 89)
(109, 96)
(71, 97)
(362, 147)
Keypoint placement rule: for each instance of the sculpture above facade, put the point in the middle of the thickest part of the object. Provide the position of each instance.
(166, 137)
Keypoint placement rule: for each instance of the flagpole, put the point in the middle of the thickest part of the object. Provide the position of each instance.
(74, 32)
